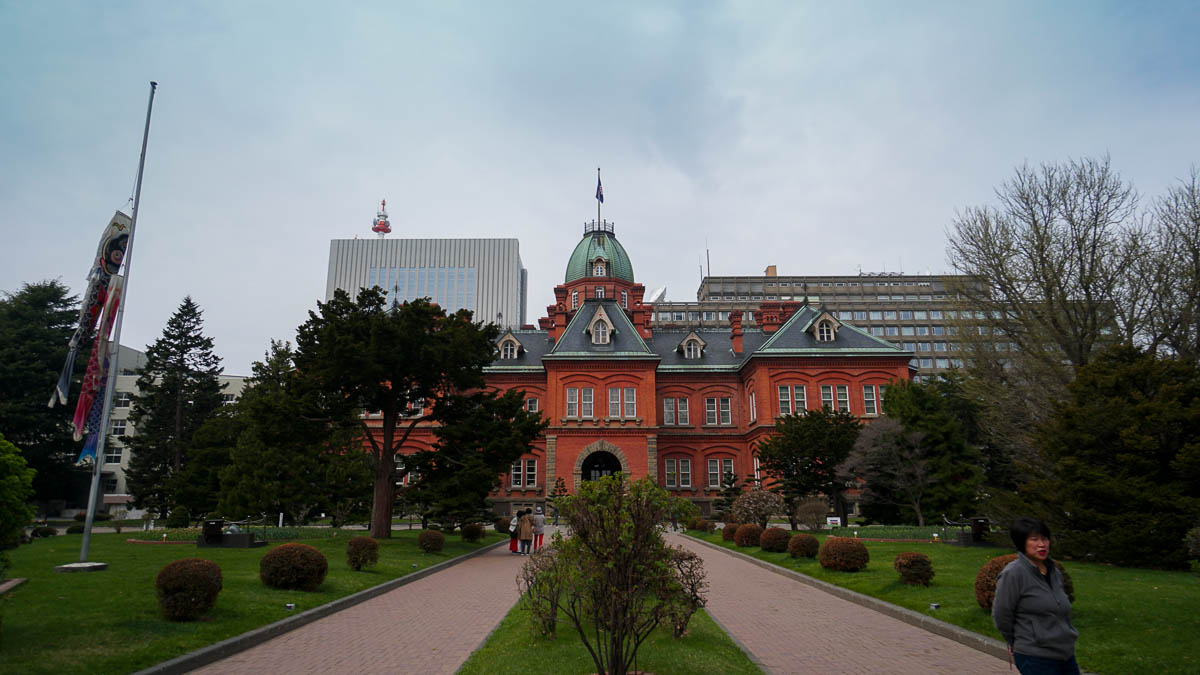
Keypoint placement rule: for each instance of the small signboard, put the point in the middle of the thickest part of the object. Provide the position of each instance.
(833, 521)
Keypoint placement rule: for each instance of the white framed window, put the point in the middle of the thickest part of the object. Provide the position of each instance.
(685, 473)
(530, 473)
(671, 472)
(599, 291)
(726, 411)
(531, 404)
(614, 401)
(600, 333)
(630, 402)
(691, 350)
(574, 299)
(714, 473)
(515, 480)
(508, 351)
(785, 400)
(112, 453)
(572, 402)
(827, 396)
(117, 428)
(843, 398)
(757, 471)
(753, 408)
(710, 411)
(625, 299)
(121, 400)
(681, 411)
(598, 269)
(668, 411)
(869, 400)
(585, 403)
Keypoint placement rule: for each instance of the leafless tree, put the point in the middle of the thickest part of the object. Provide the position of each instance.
(892, 464)
(1170, 272)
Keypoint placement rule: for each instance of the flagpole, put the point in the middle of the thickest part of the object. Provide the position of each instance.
(115, 345)
(598, 202)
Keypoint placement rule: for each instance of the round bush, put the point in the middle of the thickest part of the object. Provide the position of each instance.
(431, 541)
(914, 568)
(361, 552)
(747, 535)
(844, 554)
(774, 539)
(729, 531)
(501, 524)
(985, 580)
(178, 518)
(187, 588)
(293, 566)
(80, 517)
(472, 532)
(75, 529)
(803, 545)
(43, 531)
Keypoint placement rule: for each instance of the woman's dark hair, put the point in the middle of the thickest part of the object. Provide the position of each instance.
(528, 512)
(1024, 527)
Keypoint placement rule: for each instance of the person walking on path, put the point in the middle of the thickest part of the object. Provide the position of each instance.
(539, 529)
(513, 530)
(1031, 609)
(525, 531)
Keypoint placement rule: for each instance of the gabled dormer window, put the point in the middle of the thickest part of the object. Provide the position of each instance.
(600, 333)
(600, 327)
(510, 347)
(691, 350)
(824, 332)
(598, 268)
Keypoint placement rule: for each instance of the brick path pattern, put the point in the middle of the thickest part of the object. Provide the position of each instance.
(428, 626)
(791, 627)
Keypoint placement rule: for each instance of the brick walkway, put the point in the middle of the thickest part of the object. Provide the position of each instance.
(429, 626)
(790, 627)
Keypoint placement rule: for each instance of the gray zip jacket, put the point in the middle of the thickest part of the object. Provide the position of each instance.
(1034, 616)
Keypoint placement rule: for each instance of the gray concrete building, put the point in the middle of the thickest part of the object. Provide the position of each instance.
(483, 275)
(918, 312)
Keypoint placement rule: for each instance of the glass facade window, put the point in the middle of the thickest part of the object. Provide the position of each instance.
(877, 331)
(892, 331)
(452, 288)
(920, 315)
(860, 316)
(907, 330)
(922, 330)
(876, 316)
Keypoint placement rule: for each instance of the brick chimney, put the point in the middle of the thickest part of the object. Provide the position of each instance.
(735, 325)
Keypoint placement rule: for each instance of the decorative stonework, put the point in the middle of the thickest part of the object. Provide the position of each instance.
(598, 446)
(652, 458)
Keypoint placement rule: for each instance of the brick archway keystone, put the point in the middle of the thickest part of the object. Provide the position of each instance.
(598, 446)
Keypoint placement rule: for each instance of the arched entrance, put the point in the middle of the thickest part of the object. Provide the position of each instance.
(599, 464)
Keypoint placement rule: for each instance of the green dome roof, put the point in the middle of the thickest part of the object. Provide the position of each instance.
(599, 243)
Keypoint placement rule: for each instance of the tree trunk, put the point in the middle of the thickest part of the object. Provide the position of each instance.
(384, 497)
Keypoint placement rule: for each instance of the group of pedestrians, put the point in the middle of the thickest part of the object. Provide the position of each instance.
(526, 531)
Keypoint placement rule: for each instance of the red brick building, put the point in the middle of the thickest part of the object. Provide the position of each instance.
(681, 406)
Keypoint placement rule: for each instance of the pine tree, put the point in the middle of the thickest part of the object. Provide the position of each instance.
(178, 390)
(36, 323)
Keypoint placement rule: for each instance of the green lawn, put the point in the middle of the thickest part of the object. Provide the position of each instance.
(1130, 620)
(108, 622)
(516, 648)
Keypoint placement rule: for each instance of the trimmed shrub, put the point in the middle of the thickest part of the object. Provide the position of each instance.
(80, 517)
(844, 554)
(985, 580)
(43, 531)
(803, 545)
(361, 552)
(915, 568)
(472, 532)
(774, 539)
(179, 518)
(501, 524)
(103, 516)
(701, 525)
(747, 535)
(75, 529)
(187, 588)
(729, 531)
(293, 566)
(431, 541)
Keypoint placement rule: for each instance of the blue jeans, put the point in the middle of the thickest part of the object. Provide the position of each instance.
(1037, 665)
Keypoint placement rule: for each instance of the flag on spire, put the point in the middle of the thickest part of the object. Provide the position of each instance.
(599, 189)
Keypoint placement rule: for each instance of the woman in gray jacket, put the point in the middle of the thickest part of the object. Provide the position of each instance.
(1031, 609)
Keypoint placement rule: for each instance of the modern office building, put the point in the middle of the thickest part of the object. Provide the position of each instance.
(917, 312)
(483, 275)
(683, 405)
(116, 454)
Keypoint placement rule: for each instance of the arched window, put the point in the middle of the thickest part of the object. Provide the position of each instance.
(599, 291)
(691, 350)
(508, 351)
(598, 269)
(824, 332)
(574, 299)
(600, 333)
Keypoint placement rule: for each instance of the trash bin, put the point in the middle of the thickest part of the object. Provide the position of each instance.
(979, 530)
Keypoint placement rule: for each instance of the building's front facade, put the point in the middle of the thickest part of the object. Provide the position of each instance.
(680, 406)
(917, 312)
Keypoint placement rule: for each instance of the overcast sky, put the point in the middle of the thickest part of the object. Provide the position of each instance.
(819, 137)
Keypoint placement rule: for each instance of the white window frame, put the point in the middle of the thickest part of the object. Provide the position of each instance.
(508, 351)
(685, 473)
(599, 291)
(824, 332)
(122, 399)
(681, 412)
(113, 452)
(117, 428)
(710, 411)
(600, 333)
(630, 402)
(869, 405)
(827, 396)
(753, 408)
(714, 470)
(530, 473)
(515, 475)
(757, 470)
(573, 402)
(668, 411)
(785, 400)
(531, 405)
(598, 269)
(726, 409)
(585, 402)
(574, 299)
(726, 466)
(843, 398)
(625, 299)
(670, 471)
(614, 402)
(691, 350)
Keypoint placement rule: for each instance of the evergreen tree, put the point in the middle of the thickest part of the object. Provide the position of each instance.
(801, 459)
(179, 390)
(16, 487)
(197, 485)
(36, 324)
(730, 491)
